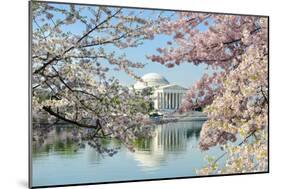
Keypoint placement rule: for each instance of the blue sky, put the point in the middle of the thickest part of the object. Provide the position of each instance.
(185, 74)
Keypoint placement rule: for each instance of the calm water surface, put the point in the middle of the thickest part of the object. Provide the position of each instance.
(171, 152)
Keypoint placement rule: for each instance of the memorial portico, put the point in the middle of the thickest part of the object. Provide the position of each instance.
(166, 96)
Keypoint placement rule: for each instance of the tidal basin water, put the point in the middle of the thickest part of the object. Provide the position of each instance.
(171, 152)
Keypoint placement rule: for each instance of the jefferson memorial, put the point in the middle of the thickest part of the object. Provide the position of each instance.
(166, 96)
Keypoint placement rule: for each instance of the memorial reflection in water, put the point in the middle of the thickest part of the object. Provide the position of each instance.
(171, 151)
(168, 139)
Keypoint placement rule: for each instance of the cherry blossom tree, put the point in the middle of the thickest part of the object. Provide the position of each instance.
(73, 49)
(234, 92)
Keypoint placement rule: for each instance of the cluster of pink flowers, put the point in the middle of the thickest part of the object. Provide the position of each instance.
(70, 70)
(235, 93)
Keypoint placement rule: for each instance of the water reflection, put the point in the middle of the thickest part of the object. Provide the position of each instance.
(172, 151)
(59, 140)
(172, 138)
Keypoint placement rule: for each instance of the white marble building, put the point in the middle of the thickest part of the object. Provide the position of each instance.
(167, 97)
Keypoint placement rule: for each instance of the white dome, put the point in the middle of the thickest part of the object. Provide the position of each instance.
(151, 80)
